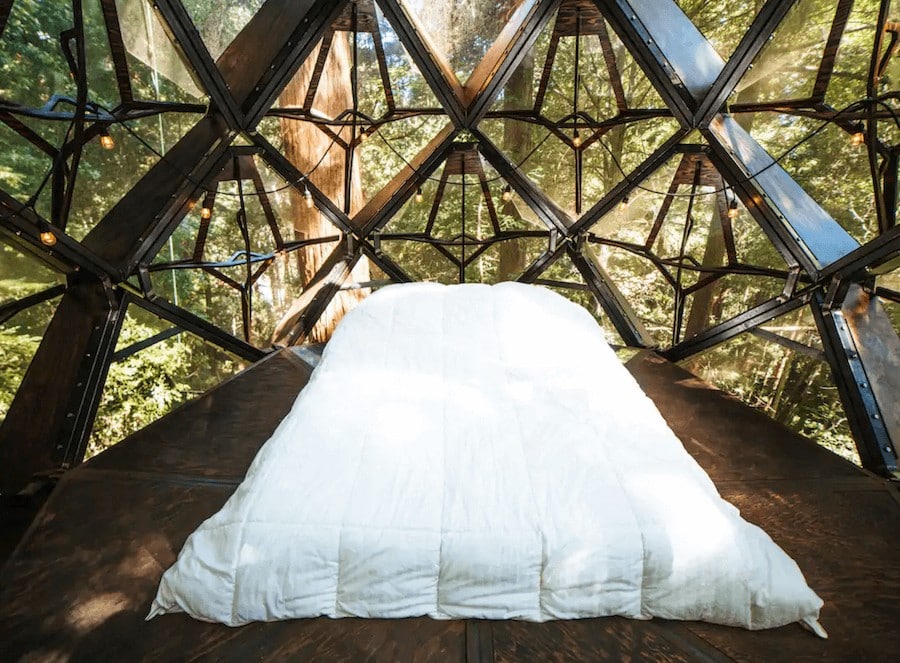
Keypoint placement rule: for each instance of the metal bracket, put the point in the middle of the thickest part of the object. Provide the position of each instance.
(351, 245)
(376, 243)
(790, 285)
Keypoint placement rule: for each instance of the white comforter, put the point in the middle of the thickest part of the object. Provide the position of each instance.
(477, 451)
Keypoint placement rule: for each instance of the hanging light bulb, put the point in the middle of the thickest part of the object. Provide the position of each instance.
(307, 196)
(623, 204)
(576, 139)
(106, 141)
(419, 196)
(857, 139)
(206, 210)
(363, 135)
(48, 238)
(507, 194)
(733, 209)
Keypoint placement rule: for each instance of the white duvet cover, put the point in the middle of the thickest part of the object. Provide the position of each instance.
(479, 451)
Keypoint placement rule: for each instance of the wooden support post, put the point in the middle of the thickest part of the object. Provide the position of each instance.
(49, 421)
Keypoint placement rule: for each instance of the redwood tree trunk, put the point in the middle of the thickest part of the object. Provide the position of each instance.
(304, 145)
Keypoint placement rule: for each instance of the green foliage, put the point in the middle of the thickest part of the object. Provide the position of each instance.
(145, 386)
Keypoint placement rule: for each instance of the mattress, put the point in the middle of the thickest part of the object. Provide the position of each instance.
(478, 451)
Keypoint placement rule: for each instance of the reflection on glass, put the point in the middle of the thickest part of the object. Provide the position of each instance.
(787, 66)
(461, 30)
(833, 171)
(155, 64)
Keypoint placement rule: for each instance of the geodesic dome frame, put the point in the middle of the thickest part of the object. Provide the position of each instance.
(110, 266)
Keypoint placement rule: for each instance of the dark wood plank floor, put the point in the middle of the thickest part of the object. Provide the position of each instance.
(80, 583)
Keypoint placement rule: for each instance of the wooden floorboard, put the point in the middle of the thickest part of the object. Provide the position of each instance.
(81, 581)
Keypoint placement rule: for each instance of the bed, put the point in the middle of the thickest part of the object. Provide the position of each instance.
(478, 451)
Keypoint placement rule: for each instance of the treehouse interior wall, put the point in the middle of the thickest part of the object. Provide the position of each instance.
(187, 184)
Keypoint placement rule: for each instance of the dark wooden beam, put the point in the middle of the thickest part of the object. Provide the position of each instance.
(265, 55)
(739, 324)
(675, 56)
(434, 68)
(50, 417)
(148, 213)
(506, 53)
(117, 49)
(863, 350)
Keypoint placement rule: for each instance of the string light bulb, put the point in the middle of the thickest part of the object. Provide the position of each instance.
(363, 135)
(206, 210)
(576, 140)
(507, 194)
(419, 196)
(48, 238)
(857, 138)
(106, 141)
(733, 209)
(623, 204)
(307, 196)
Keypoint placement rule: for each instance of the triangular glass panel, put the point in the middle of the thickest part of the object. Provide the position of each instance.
(790, 387)
(206, 263)
(459, 30)
(28, 146)
(464, 211)
(103, 88)
(723, 29)
(134, 396)
(22, 274)
(798, 326)
(823, 159)
(505, 260)
(644, 285)
(154, 64)
(19, 337)
(34, 65)
(219, 23)
(334, 136)
(788, 65)
(553, 164)
(564, 278)
(108, 171)
(579, 43)
(848, 81)
(574, 134)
